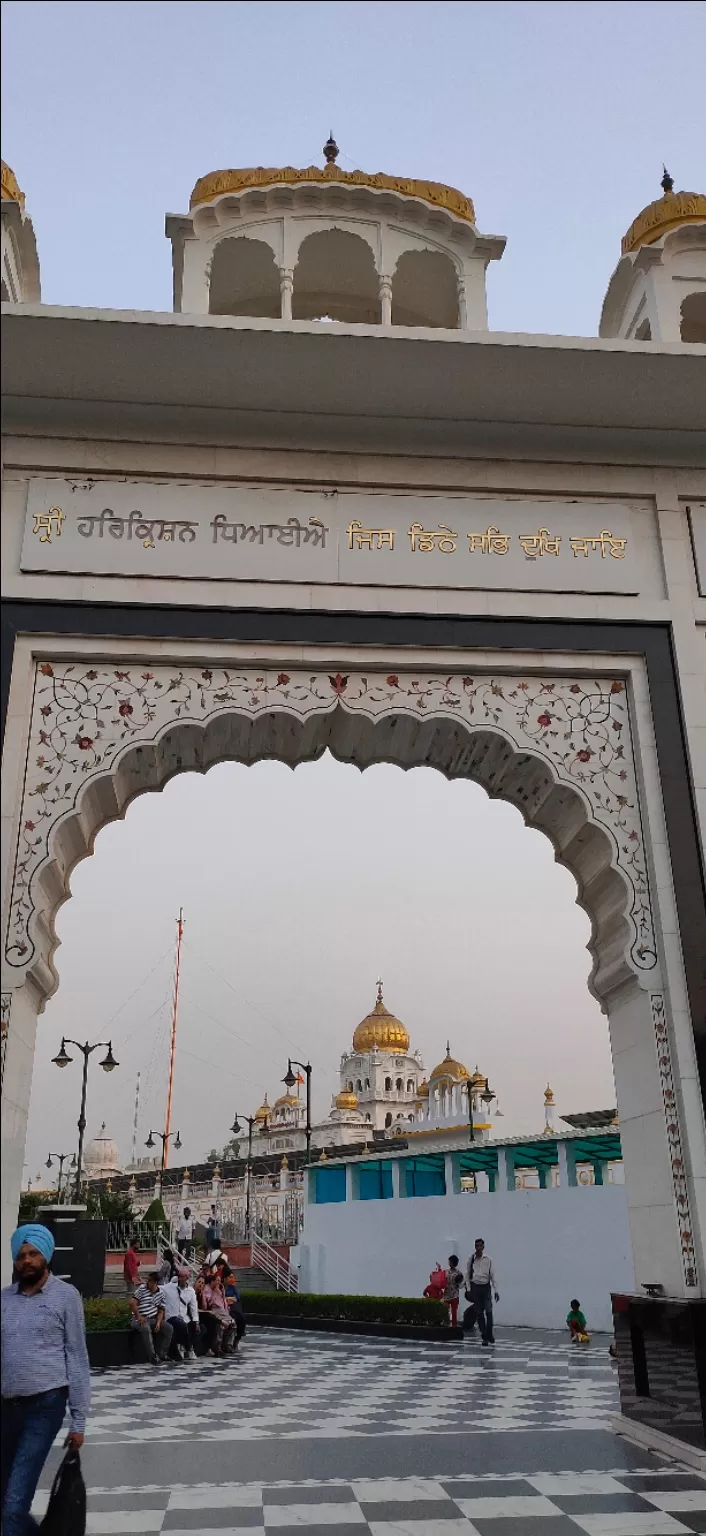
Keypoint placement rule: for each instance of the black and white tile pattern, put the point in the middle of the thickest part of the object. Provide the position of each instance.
(549, 1504)
(336, 1436)
(303, 1387)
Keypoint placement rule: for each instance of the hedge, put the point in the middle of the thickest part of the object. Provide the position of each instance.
(105, 1313)
(362, 1309)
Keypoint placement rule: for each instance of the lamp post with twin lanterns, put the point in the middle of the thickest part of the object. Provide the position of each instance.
(289, 1081)
(486, 1097)
(60, 1158)
(164, 1137)
(236, 1128)
(108, 1064)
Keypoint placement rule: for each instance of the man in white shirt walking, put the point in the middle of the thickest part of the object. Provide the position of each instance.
(480, 1280)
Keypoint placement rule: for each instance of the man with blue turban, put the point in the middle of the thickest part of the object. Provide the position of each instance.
(44, 1369)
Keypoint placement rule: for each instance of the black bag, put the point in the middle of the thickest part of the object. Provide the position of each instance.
(66, 1511)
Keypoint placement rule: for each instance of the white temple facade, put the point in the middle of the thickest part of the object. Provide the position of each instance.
(18, 254)
(383, 1090)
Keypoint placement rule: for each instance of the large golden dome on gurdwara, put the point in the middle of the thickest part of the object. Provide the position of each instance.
(380, 1028)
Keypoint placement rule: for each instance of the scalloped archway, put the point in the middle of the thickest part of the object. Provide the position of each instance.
(559, 747)
(559, 750)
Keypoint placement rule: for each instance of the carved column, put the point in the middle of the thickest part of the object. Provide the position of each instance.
(385, 291)
(462, 305)
(286, 289)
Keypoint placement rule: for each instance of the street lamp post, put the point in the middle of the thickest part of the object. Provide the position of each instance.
(164, 1137)
(249, 1121)
(471, 1128)
(60, 1158)
(108, 1064)
(289, 1080)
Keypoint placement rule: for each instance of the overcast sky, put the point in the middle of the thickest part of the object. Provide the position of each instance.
(300, 888)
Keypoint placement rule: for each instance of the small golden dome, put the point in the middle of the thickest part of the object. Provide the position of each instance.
(450, 1068)
(264, 1112)
(11, 189)
(665, 213)
(346, 1100)
(548, 1095)
(381, 1029)
(477, 1078)
(286, 1099)
(423, 1090)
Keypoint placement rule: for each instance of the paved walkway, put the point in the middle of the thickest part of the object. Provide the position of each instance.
(304, 1431)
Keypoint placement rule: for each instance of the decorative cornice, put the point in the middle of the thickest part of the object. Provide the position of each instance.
(217, 183)
(11, 189)
(666, 213)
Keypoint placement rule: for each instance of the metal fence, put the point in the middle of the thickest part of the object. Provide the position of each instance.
(149, 1234)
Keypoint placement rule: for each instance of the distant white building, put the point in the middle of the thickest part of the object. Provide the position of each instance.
(383, 1089)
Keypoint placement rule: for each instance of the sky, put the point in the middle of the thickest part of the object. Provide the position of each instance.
(300, 888)
(556, 119)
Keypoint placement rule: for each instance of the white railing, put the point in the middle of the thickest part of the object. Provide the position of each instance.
(266, 1258)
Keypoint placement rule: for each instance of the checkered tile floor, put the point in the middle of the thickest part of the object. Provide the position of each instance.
(302, 1387)
(660, 1503)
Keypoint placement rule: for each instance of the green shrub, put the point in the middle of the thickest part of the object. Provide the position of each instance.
(105, 1313)
(361, 1309)
(155, 1214)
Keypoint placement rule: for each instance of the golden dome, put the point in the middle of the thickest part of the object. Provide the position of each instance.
(11, 189)
(548, 1095)
(346, 1100)
(286, 1098)
(381, 1029)
(453, 1069)
(264, 1112)
(665, 213)
(477, 1078)
(234, 181)
(423, 1090)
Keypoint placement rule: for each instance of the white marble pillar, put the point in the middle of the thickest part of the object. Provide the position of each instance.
(462, 305)
(385, 291)
(286, 289)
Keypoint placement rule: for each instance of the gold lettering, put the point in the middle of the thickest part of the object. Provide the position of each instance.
(604, 541)
(44, 524)
(540, 543)
(492, 542)
(368, 538)
(426, 540)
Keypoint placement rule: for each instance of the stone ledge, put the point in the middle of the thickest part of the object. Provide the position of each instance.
(656, 1440)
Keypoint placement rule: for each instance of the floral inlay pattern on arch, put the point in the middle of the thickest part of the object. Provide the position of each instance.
(84, 719)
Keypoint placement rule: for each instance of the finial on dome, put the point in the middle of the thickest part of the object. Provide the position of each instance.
(379, 987)
(548, 1094)
(448, 1050)
(331, 150)
(667, 182)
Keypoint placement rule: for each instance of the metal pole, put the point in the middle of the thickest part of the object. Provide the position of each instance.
(471, 1127)
(307, 1069)
(86, 1049)
(175, 1011)
(61, 1174)
(248, 1178)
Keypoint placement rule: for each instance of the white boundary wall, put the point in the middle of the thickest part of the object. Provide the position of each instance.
(548, 1245)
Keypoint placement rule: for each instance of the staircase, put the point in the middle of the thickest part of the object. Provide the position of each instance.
(253, 1279)
(249, 1279)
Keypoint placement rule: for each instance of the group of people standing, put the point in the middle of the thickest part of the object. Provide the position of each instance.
(478, 1285)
